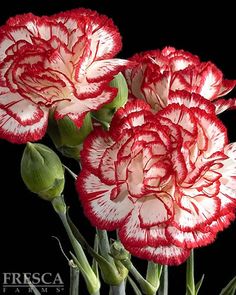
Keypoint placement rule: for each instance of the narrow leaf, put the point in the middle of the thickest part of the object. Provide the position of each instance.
(109, 271)
(230, 289)
(190, 291)
(134, 286)
(95, 264)
(199, 284)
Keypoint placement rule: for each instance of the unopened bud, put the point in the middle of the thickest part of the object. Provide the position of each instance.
(106, 113)
(42, 171)
(118, 251)
(67, 137)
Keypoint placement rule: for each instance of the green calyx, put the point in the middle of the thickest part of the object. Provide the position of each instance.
(66, 136)
(42, 171)
(105, 114)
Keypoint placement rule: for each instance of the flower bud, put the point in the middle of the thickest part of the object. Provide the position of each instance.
(42, 171)
(119, 101)
(118, 251)
(66, 136)
(105, 114)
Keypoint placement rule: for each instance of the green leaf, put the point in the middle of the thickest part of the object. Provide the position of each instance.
(230, 289)
(190, 291)
(199, 284)
(153, 274)
(134, 286)
(109, 271)
(95, 264)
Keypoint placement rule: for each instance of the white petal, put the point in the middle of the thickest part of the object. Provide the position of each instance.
(15, 132)
(211, 79)
(131, 233)
(214, 130)
(155, 210)
(94, 149)
(21, 109)
(96, 198)
(101, 69)
(199, 210)
(76, 109)
(168, 255)
(189, 239)
(224, 104)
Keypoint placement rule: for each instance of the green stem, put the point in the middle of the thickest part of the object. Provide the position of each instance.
(145, 286)
(92, 282)
(118, 290)
(74, 280)
(76, 245)
(95, 263)
(104, 245)
(70, 171)
(154, 271)
(190, 283)
(110, 273)
(163, 289)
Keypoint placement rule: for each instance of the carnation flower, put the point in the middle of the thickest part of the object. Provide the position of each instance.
(165, 181)
(62, 62)
(159, 71)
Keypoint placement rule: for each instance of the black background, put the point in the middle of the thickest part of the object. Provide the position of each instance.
(28, 223)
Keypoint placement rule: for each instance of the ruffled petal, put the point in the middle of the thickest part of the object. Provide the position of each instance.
(131, 233)
(155, 210)
(76, 109)
(210, 81)
(226, 87)
(104, 35)
(191, 100)
(96, 199)
(222, 105)
(94, 148)
(105, 69)
(214, 131)
(191, 239)
(167, 255)
(196, 212)
(21, 109)
(15, 132)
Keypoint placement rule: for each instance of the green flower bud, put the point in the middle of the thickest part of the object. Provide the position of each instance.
(42, 171)
(119, 254)
(118, 251)
(106, 113)
(66, 136)
(119, 101)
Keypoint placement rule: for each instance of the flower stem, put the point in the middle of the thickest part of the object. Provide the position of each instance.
(74, 280)
(75, 244)
(104, 245)
(163, 289)
(118, 290)
(92, 281)
(190, 283)
(154, 271)
(145, 286)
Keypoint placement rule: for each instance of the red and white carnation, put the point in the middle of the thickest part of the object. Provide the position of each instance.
(165, 181)
(158, 72)
(63, 62)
